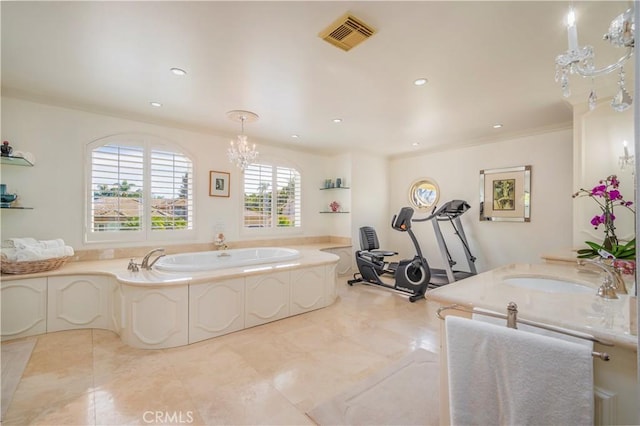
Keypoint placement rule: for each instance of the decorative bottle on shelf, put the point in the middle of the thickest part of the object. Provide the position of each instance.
(338, 183)
(6, 149)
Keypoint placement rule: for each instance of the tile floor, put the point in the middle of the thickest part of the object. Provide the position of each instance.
(271, 374)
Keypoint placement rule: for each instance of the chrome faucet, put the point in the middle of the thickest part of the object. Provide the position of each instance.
(612, 283)
(618, 282)
(145, 261)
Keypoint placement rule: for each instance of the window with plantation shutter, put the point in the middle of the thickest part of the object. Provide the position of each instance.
(171, 191)
(271, 197)
(137, 189)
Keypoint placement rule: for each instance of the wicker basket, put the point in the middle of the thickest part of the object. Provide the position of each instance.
(31, 266)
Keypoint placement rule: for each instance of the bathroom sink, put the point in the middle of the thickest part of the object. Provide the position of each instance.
(549, 285)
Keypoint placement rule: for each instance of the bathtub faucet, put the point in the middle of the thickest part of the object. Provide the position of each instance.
(145, 261)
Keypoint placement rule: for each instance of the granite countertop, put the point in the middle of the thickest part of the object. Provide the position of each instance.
(585, 312)
(311, 255)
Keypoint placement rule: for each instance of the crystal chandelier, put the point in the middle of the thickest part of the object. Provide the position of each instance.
(240, 152)
(580, 60)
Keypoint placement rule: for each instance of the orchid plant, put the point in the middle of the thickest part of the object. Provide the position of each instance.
(607, 195)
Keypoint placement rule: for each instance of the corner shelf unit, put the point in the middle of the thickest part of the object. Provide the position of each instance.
(15, 161)
(334, 188)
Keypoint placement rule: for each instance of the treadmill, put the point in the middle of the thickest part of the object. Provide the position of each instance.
(451, 212)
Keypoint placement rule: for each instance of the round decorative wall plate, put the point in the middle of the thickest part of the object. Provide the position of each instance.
(424, 193)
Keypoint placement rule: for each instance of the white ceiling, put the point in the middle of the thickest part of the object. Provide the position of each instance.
(486, 62)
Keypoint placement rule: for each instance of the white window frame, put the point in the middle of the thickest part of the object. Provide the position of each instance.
(146, 234)
(272, 230)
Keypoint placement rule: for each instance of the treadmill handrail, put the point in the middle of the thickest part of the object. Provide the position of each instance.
(443, 212)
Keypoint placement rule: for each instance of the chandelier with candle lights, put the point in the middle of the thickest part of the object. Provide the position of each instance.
(580, 60)
(240, 152)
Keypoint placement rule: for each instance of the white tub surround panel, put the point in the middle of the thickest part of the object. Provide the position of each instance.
(24, 307)
(215, 309)
(78, 302)
(307, 290)
(154, 310)
(155, 317)
(346, 259)
(267, 298)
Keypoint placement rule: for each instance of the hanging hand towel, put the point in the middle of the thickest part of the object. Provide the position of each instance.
(535, 330)
(502, 376)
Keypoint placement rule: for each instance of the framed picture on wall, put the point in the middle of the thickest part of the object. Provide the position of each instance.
(218, 184)
(505, 194)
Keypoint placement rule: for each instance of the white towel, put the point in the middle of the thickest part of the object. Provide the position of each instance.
(502, 376)
(47, 244)
(21, 242)
(536, 330)
(36, 253)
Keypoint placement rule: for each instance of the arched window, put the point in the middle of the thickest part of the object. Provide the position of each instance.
(139, 188)
(272, 197)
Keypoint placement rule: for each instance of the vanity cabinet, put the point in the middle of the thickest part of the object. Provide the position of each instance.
(216, 309)
(24, 307)
(267, 298)
(78, 302)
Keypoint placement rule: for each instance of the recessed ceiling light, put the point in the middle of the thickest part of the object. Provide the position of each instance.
(337, 120)
(497, 126)
(415, 144)
(178, 71)
(155, 104)
(294, 136)
(420, 82)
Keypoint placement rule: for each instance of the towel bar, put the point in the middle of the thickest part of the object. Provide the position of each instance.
(512, 321)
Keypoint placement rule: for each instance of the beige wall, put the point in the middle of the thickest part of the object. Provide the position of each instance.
(55, 186)
(457, 174)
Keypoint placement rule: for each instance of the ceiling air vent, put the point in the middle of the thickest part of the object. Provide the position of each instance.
(347, 32)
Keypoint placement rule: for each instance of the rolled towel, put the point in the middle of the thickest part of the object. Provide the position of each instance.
(9, 254)
(29, 254)
(36, 253)
(47, 244)
(21, 242)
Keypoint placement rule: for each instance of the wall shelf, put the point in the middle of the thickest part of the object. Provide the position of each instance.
(335, 212)
(15, 161)
(337, 187)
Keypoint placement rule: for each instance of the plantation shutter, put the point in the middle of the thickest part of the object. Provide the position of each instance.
(265, 184)
(117, 187)
(288, 197)
(171, 191)
(258, 184)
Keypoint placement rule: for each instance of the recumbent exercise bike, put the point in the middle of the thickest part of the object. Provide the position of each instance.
(408, 276)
